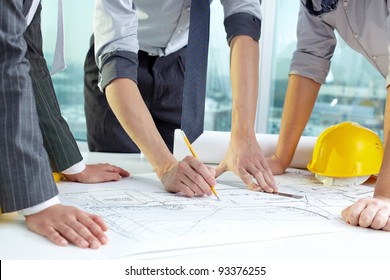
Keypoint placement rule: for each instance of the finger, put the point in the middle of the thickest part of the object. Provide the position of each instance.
(90, 231)
(270, 177)
(387, 226)
(115, 169)
(187, 191)
(205, 174)
(211, 169)
(380, 220)
(98, 220)
(368, 214)
(367, 217)
(267, 173)
(86, 229)
(191, 187)
(344, 214)
(52, 235)
(71, 235)
(247, 179)
(260, 177)
(198, 173)
(353, 214)
(108, 177)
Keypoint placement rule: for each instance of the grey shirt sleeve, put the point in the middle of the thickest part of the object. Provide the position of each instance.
(116, 43)
(315, 47)
(242, 18)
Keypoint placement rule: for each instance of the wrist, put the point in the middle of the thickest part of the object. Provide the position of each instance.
(283, 162)
(164, 165)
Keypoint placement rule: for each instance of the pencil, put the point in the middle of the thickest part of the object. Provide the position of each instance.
(57, 177)
(195, 156)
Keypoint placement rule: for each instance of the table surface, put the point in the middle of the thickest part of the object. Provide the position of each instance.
(17, 242)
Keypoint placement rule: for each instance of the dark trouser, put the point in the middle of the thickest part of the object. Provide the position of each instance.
(160, 81)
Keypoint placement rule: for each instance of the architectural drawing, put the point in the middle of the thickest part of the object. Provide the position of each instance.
(148, 218)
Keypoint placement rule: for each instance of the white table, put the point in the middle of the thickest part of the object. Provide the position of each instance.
(17, 242)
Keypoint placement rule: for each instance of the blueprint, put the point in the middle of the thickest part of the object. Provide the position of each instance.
(144, 218)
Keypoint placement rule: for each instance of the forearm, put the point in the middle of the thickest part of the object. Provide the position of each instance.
(128, 106)
(383, 183)
(244, 78)
(300, 98)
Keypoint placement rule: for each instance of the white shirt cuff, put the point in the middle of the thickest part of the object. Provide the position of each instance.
(74, 169)
(40, 207)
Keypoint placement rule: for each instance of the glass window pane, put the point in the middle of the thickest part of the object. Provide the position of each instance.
(69, 83)
(354, 90)
(218, 89)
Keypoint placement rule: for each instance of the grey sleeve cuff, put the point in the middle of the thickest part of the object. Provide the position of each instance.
(118, 64)
(310, 66)
(242, 24)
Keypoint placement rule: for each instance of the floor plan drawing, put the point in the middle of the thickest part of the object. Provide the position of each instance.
(140, 212)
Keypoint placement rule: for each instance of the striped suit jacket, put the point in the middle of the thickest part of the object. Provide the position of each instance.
(58, 140)
(25, 173)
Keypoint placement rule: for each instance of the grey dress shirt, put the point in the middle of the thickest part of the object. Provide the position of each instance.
(122, 27)
(363, 24)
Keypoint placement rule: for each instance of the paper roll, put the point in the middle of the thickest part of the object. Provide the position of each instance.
(211, 147)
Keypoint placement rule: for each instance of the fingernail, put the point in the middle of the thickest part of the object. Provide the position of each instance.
(104, 240)
(95, 245)
(84, 244)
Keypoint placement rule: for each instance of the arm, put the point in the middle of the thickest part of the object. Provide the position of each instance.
(308, 70)
(58, 140)
(116, 52)
(375, 212)
(191, 177)
(26, 179)
(299, 102)
(244, 155)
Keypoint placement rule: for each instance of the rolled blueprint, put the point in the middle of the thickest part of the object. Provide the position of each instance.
(211, 147)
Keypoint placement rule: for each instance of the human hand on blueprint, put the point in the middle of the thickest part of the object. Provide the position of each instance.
(63, 224)
(246, 159)
(190, 177)
(97, 173)
(373, 212)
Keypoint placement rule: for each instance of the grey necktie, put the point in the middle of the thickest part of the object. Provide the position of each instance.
(194, 92)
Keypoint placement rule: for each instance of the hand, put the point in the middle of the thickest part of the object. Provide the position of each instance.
(63, 224)
(245, 158)
(369, 212)
(190, 177)
(97, 173)
(276, 165)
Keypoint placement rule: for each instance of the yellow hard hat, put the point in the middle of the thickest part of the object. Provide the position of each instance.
(347, 149)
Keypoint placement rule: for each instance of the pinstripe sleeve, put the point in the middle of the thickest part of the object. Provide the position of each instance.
(58, 140)
(25, 175)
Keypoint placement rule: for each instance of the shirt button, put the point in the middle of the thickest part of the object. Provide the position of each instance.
(188, 8)
(356, 36)
(374, 57)
(345, 3)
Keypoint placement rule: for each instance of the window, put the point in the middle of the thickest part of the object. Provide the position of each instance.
(354, 90)
(69, 83)
(358, 96)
